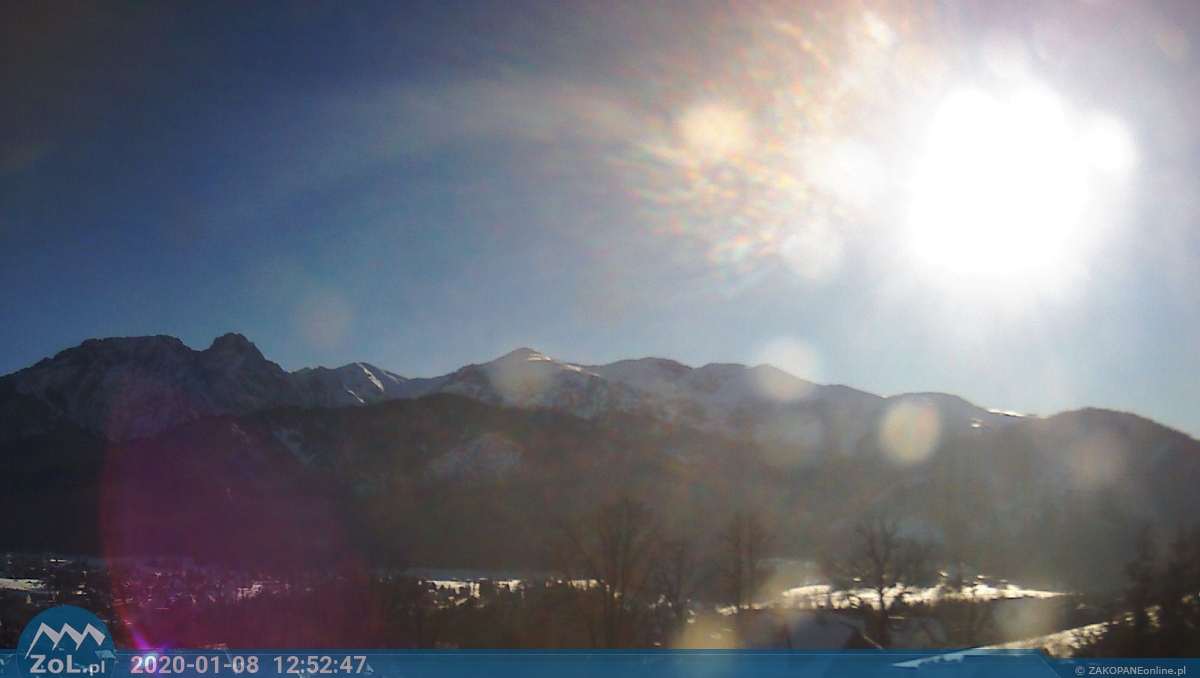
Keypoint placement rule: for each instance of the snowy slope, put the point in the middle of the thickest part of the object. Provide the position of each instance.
(353, 384)
(527, 378)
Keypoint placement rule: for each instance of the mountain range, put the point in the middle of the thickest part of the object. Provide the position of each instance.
(136, 387)
(134, 446)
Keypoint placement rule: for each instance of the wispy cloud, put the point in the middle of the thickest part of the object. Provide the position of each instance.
(325, 139)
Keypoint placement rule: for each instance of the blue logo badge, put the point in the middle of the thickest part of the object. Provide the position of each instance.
(66, 642)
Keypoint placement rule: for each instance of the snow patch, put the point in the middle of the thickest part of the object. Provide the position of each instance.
(293, 440)
(23, 585)
(491, 456)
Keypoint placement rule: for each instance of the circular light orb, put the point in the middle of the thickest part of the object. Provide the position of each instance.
(714, 132)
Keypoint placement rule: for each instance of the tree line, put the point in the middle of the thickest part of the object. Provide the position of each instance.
(619, 576)
(1160, 614)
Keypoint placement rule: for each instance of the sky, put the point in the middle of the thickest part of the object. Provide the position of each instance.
(995, 200)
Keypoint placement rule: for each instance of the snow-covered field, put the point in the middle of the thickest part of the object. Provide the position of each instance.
(823, 595)
(1060, 644)
(20, 584)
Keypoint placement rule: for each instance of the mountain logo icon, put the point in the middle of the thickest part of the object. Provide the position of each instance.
(66, 642)
(88, 631)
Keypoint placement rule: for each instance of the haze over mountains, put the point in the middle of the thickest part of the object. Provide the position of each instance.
(144, 446)
(136, 387)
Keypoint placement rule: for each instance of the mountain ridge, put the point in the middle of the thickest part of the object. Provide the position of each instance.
(132, 387)
(474, 466)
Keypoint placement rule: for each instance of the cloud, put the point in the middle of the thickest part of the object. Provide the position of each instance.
(393, 120)
(328, 139)
(530, 109)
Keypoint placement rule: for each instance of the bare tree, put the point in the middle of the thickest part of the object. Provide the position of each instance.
(745, 542)
(879, 572)
(966, 613)
(1163, 615)
(1143, 576)
(610, 553)
(674, 578)
(1178, 619)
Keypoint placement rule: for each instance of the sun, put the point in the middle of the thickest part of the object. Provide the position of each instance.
(1002, 185)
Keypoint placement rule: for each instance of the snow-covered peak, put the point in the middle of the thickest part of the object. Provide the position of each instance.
(724, 382)
(656, 376)
(353, 384)
(527, 359)
(523, 378)
(715, 384)
(133, 387)
(714, 396)
(952, 410)
(522, 354)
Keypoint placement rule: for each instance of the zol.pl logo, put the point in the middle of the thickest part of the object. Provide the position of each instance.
(64, 642)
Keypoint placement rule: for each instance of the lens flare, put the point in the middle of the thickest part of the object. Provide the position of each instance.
(522, 378)
(706, 633)
(324, 318)
(768, 152)
(910, 432)
(714, 132)
(796, 361)
(1096, 461)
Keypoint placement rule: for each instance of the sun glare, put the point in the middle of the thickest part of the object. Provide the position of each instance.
(1003, 183)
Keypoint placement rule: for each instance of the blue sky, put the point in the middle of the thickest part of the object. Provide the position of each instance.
(422, 186)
